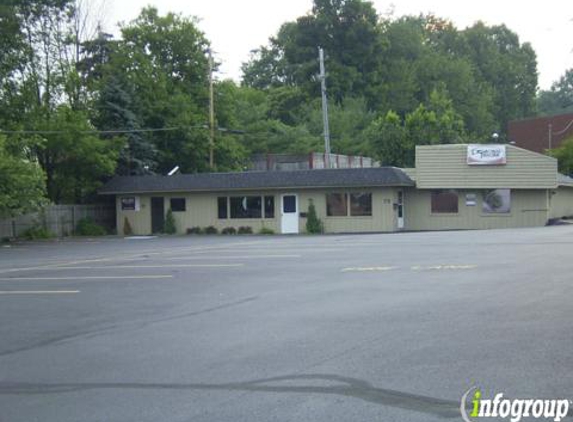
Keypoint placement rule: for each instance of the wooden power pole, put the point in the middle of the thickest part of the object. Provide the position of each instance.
(211, 115)
(324, 109)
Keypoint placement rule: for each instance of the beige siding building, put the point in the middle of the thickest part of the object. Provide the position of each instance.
(452, 187)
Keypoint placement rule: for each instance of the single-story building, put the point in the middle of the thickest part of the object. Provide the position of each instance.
(455, 186)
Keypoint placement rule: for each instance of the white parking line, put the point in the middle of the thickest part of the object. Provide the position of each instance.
(175, 258)
(413, 268)
(141, 255)
(99, 277)
(131, 267)
(38, 292)
(443, 267)
(365, 269)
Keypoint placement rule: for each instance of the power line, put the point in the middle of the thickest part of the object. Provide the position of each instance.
(260, 134)
(117, 131)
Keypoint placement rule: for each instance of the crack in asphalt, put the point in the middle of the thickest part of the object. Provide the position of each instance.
(346, 386)
(122, 327)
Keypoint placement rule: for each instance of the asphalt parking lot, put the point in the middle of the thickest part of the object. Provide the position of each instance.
(388, 327)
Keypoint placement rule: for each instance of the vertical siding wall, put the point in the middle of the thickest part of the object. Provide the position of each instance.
(561, 202)
(529, 208)
(140, 221)
(383, 217)
(201, 210)
(445, 167)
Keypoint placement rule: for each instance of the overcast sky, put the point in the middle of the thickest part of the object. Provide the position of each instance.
(237, 27)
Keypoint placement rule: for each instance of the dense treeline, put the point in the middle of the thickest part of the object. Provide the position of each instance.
(78, 107)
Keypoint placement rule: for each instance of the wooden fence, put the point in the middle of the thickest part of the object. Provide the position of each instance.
(60, 220)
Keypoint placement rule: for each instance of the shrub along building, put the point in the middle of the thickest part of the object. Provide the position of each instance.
(452, 187)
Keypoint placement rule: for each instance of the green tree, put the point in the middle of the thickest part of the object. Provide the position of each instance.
(348, 32)
(313, 223)
(113, 110)
(347, 121)
(164, 59)
(22, 186)
(169, 226)
(564, 155)
(43, 96)
(393, 140)
(390, 144)
(558, 99)
(435, 123)
(76, 161)
(507, 66)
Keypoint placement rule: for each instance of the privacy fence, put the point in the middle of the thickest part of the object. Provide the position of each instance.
(60, 220)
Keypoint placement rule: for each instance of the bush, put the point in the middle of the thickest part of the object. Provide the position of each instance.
(127, 230)
(37, 232)
(169, 225)
(195, 230)
(229, 230)
(211, 230)
(266, 230)
(313, 223)
(245, 230)
(88, 227)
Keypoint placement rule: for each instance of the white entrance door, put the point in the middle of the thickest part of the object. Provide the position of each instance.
(400, 209)
(289, 213)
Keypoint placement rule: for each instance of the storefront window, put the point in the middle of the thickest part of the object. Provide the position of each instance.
(336, 205)
(496, 201)
(361, 204)
(246, 206)
(444, 202)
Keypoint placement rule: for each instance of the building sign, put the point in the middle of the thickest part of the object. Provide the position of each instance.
(471, 199)
(130, 203)
(486, 155)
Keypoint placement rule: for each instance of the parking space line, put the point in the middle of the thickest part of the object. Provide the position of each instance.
(366, 269)
(131, 267)
(280, 250)
(98, 277)
(195, 257)
(412, 268)
(38, 292)
(139, 255)
(443, 267)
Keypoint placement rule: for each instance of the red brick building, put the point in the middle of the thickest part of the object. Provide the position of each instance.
(541, 133)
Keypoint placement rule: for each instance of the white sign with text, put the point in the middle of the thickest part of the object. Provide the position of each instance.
(486, 155)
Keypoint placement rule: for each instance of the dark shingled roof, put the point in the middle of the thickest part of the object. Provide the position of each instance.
(204, 182)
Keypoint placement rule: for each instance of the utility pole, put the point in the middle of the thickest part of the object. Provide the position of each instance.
(324, 108)
(558, 133)
(211, 115)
